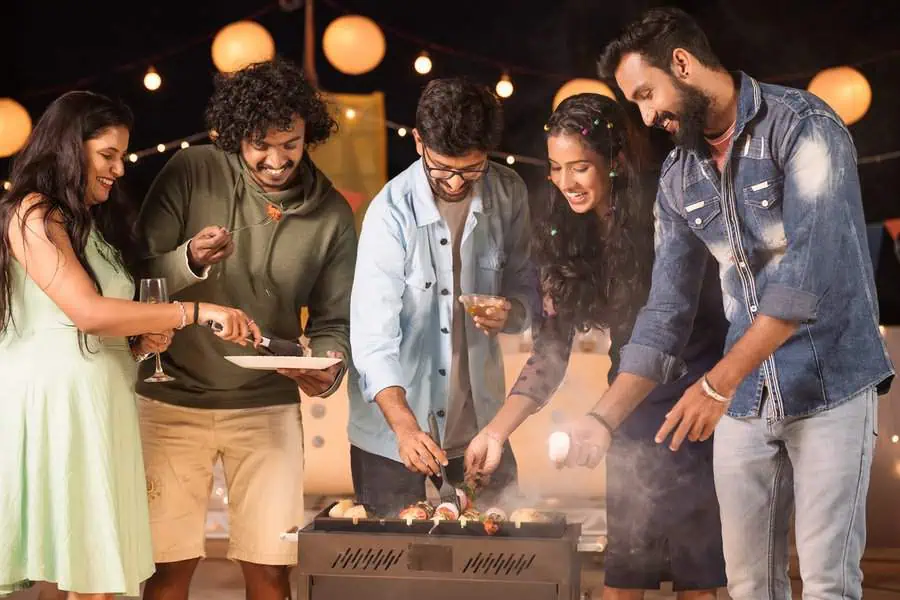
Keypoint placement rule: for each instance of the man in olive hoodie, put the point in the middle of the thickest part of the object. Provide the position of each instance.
(248, 222)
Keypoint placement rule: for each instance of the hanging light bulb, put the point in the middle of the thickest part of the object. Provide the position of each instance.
(505, 86)
(423, 64)
(350, 114)
(133, 157)
(152, 80)
(161, 148)
(510, 160)
(402, 132)
(6, 185)
(185, 144)
(895, 439)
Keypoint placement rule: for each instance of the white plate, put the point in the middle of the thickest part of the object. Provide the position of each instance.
(272, 363)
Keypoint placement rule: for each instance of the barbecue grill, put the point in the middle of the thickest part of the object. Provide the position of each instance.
(395, 559)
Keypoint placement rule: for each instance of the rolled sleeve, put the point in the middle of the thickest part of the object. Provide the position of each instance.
(664, 324)
(376, 301)
(820, 181)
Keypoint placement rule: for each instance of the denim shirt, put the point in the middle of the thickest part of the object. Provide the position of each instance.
(401, 306)
(784, 220)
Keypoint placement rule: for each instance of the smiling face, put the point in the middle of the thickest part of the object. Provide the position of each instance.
(579, 173)
(104, 162)
(274, 159)
(667, 102)
(452, 177)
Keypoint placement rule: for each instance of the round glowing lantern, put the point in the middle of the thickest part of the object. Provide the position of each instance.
(240, 44)
(353, 44)
(845, 90)
(582, 86)
(15, 125)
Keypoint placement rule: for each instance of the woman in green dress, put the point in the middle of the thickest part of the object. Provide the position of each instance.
(73, 504)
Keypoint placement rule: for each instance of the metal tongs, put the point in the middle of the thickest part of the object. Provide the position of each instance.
(445, 489)
(270, 345)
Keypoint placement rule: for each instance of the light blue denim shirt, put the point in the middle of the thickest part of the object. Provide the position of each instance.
(785, 222)
(401, 307)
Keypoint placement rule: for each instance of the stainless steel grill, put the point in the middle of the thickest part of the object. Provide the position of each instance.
(388, 559)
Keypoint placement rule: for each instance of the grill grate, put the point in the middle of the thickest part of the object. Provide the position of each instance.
(505, 563)
(366, 559)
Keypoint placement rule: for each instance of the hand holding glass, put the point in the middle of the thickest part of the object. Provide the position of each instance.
(154, 291)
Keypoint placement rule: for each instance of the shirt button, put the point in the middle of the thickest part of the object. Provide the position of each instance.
(765, 203)
(698, 220)
(444, 330)
(445, 292)
(442, 371)
(753, 308)
(443, 241)
(441, 413)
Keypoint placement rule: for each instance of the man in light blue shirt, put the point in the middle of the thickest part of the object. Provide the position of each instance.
(453, 223)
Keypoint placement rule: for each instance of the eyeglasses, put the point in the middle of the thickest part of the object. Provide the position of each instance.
(445, 173)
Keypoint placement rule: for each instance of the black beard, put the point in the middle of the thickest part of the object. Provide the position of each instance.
(441, 194)
(691, 116)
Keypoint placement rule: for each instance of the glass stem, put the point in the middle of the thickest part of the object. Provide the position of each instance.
(158, 365)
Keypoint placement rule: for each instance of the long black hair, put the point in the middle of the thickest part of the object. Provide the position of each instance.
(598, 276)
(53, 165)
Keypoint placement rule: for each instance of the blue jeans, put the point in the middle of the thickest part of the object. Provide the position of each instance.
(820, 464)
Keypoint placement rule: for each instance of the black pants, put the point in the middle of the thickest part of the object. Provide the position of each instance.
(386, 486)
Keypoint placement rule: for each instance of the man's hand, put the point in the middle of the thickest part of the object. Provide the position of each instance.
(315, 382)
(211, 245)
(483, 457)
(589, 442)
(419, 452)
(492, 319)
(695, 416)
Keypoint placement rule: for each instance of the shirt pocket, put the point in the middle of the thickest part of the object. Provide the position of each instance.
(763, 202)
(489, 273)
(702, 213)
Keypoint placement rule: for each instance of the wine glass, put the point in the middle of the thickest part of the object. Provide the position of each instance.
(153, 291)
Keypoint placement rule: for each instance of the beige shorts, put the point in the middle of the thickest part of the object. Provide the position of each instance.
(262, 456)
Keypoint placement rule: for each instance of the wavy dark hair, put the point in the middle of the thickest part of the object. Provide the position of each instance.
(248, 103)
(598, 279)
(455, 116)
(53, 165)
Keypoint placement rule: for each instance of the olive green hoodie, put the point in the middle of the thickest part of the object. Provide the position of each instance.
(306, 258)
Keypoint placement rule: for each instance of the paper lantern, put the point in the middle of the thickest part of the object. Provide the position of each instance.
(845, 90)
(353, 44)
(15, 125)
(582, 86)
(241, 44)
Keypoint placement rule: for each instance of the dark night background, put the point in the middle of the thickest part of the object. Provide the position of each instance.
(53, 46)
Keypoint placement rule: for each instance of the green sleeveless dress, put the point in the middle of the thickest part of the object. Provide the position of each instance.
(73, 501)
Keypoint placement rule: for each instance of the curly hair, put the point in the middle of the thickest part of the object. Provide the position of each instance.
(455, 116)
(248, 103)
(655, 36)
(596, 279)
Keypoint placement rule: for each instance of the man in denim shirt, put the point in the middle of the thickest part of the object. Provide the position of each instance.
(453, 223)
(765, 177)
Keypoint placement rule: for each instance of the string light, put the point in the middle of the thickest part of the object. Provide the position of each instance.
(505, 86)
(350, 113)
(185, 144)
(7, 185)
(402, 132)
(133, 157)
(510, 160)
(161, 148)
(152, 80)
(423, 64)
(895, 438)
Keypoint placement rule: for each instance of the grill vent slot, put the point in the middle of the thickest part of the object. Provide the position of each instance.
(508, 564)
(363, 558)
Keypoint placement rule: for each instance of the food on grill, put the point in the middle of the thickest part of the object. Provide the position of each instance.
(471, 514)
(357, 511)
(495, 514)
(465, 500)
(337, 511)
(427, 507)
(491, 526)
(414, 511)
(527, 515)
(446, 512)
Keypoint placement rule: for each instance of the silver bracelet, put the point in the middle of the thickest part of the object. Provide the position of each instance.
(709, 391)
(183, 314)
